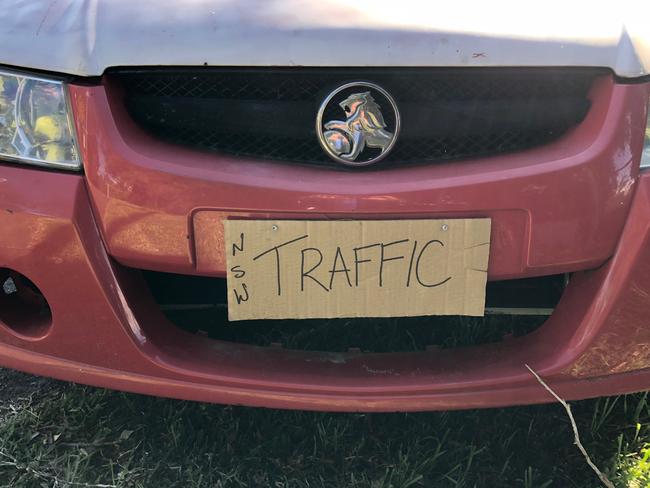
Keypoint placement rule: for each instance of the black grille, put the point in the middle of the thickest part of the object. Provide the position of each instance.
(270, 113)
(198, 304)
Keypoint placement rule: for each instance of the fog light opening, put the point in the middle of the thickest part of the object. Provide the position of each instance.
(23, 307)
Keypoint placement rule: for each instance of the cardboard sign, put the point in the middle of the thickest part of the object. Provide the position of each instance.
(279, 269)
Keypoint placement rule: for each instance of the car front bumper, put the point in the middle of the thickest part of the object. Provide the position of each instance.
(579, 205)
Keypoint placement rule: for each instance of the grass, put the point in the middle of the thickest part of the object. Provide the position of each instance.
(57, 434)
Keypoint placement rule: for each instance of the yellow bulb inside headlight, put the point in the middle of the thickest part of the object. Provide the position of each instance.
(53, 151)
(50, 128)
(35, 122)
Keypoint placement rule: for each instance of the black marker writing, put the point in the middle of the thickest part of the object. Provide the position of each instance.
(358, 261)
(276, 249)
(417, 266)
(344, 269)
(237, 272)
(241, 298)
(384, 259)
(239, 248)
(408, 276)
(306, 274)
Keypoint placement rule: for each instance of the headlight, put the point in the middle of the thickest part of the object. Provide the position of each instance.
(35, 122)
(645, 155)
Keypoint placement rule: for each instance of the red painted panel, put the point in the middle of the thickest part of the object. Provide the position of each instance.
(106, 330)
(556, 208)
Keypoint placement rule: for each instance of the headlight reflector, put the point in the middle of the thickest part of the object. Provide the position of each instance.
(35, 122)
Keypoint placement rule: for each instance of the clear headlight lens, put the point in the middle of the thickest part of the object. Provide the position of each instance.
(35, 122)
(645, 155)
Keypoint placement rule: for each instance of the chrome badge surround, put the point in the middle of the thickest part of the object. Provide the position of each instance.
(364, 127)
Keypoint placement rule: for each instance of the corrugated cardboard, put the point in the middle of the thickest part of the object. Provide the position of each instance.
(381, 268)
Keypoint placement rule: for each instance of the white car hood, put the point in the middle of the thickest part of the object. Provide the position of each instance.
(84, 37)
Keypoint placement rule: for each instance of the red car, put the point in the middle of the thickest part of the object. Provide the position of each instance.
(388, 173)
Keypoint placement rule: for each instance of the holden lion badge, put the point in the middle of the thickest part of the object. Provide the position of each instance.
(358, 124)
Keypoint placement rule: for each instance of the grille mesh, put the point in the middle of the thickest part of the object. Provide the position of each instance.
(270, 113)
